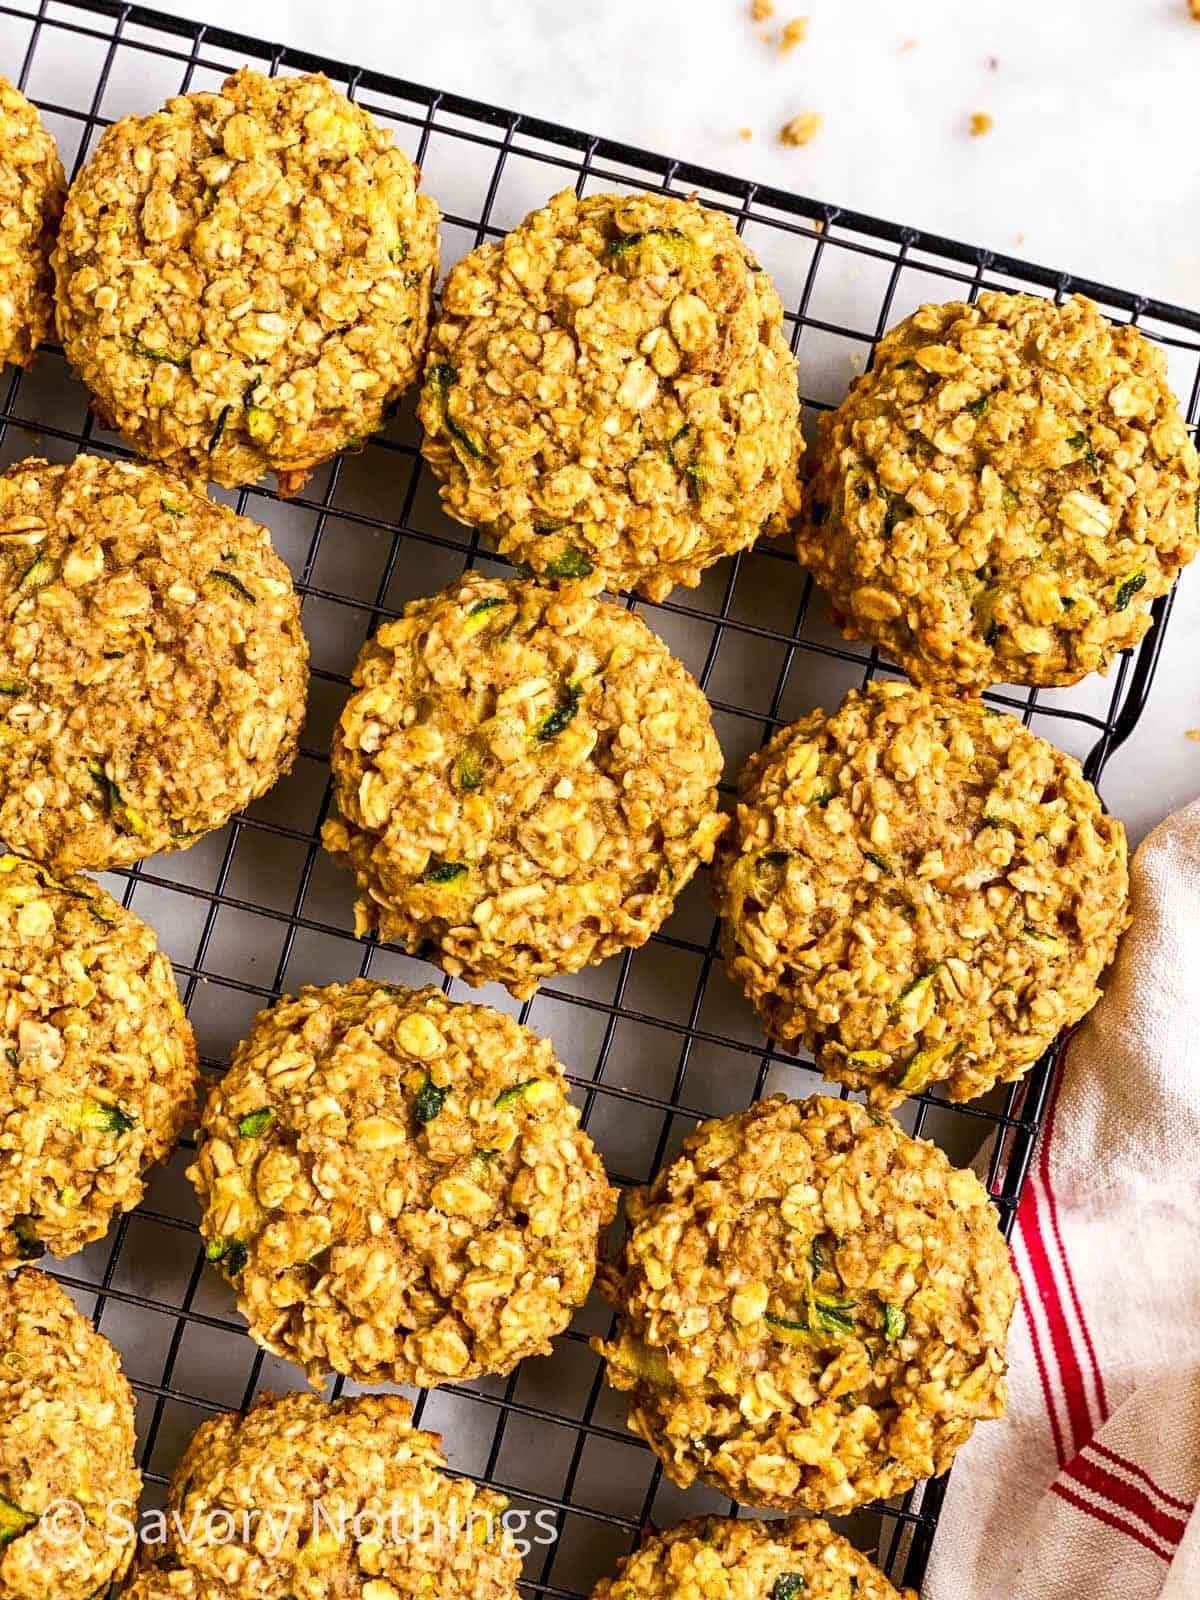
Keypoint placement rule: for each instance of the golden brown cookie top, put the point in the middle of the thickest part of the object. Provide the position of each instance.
(920, 890)
(97, 1060)
(357, 1496)
(1003, 495)
(32, 189)
(66, 1448)
(152, 667)
(397, 1186)
(812, 1307)
(609, 392)
(526, 779)
(245, 278)
(737, 1558)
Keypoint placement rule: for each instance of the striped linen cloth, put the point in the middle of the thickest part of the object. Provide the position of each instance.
(1087, 1491)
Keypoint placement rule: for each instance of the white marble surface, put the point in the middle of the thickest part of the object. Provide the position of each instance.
(1090, 165)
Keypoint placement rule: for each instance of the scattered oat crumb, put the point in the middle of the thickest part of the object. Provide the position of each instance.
(761, 10)
(794, 32)
(981, 123)
(1194, 733)
(1021, 236)
(746, 133)
(802, 129)
(766, 35)
(911, 44)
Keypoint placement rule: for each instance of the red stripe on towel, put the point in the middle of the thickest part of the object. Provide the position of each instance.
(1133, 1501)
(1108, 1519)
(1069, 1371)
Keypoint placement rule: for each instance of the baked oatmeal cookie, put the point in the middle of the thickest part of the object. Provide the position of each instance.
(609, 391)
(152, 668)
(32, 186)
(98, 1065)
(245, 278)
(66, 1448)
(526, 779)
(398, 1188)
(167, 1582)
(920, 890)
(811, 1307)
(727, 1558)
(1002, 496)
(352, 1498)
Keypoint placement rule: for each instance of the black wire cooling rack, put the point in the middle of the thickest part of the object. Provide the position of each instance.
(653, 1041)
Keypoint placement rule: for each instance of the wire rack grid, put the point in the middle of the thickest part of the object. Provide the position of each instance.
(653, 1041)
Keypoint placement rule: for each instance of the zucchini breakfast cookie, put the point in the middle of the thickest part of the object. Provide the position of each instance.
(32, 187)
(726, 1558)
(152, 668)
(245, 278)
(1002, 496)
(609, 390)
(398, 1187)
(341, 1501)
(67, 1473)
(166, 1582)
(919, 889)
(812, 1307)
(526, 779)
(98, 1065)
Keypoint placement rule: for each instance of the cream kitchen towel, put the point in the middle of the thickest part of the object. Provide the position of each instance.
(1087, 1491)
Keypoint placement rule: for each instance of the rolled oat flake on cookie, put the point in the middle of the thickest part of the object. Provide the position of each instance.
(1002, 497)
(919, 890)
(245, 278)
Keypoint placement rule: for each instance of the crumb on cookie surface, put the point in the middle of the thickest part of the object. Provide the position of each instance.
(802, 129)
(794, 33)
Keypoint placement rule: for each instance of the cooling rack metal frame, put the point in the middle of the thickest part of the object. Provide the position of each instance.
(657, 1039)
